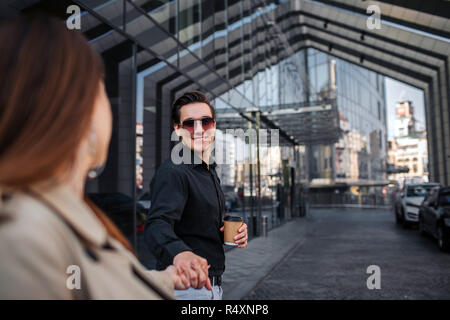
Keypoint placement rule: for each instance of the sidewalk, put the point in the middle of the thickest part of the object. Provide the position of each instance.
(244, 268)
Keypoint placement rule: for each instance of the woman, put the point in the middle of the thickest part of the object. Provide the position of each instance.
(55, 128)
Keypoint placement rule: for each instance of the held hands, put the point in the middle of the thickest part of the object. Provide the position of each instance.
(179, 278)
(192, 271)
(241, 239)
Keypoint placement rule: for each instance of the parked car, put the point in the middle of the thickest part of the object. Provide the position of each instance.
(231, 198)
(231, 201)
(408, 201)
(434, 216)
(145, 201)
(119, 208)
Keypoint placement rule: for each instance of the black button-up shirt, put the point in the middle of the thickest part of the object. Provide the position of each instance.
(187, 204)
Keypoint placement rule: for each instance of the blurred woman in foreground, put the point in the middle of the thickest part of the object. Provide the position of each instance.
(55, 128)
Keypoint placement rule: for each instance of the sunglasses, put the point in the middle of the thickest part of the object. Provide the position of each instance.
(207, 123)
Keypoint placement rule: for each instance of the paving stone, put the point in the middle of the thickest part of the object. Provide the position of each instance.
(339, 245)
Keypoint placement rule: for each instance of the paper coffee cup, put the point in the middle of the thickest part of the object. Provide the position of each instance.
(231, 229)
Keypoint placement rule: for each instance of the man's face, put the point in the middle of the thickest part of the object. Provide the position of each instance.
(198, 137)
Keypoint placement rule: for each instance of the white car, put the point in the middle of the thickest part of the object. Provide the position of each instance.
(408, 201)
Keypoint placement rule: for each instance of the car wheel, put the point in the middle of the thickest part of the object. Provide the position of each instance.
(405, 223)
(443, 241)
(397, 218)
(422, 231)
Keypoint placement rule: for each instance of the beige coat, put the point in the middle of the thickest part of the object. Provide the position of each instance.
(52, 246)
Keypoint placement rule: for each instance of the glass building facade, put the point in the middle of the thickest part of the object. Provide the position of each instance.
(323, 118)
(360, 154)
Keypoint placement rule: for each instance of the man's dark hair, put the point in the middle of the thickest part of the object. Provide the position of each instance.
(187, 98)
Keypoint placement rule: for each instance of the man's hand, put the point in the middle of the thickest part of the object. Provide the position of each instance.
(241, 239)
(194, 268)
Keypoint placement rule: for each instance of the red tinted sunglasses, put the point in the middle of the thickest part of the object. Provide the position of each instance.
(207, 123)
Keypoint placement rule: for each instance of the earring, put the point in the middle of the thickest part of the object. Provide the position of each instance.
(93, 172)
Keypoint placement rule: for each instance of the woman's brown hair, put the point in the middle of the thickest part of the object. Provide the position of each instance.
(49, 80)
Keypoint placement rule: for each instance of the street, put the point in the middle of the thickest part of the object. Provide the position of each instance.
(340, 244)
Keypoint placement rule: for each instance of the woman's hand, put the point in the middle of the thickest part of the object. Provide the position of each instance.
(195, 269)
(178, 276)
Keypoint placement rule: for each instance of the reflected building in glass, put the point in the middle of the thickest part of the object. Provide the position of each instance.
(359, 155)
(324, 118)
(336, 109)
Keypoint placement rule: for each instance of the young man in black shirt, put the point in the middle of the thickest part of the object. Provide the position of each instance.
(184, 226)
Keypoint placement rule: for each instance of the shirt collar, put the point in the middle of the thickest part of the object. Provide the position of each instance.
(75, 212)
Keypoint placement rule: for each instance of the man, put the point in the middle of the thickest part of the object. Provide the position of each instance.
(184, 226)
